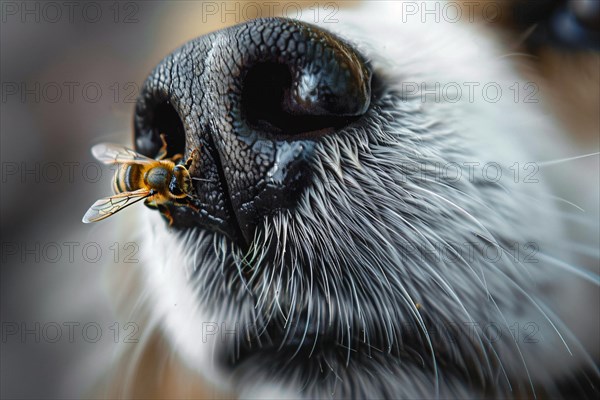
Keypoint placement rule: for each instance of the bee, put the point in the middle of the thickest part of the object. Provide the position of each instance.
(159, 181)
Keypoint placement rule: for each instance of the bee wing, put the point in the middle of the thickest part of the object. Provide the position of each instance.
(107, 206)
(109, 153)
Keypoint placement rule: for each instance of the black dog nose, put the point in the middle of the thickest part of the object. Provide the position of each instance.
(254, 99)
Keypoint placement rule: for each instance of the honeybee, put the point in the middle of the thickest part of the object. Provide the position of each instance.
(159, 181)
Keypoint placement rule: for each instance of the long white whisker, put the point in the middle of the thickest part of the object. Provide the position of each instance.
(588, 276)
(564, 160)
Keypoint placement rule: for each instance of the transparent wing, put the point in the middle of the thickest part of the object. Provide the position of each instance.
(107, 206)
(109, 153)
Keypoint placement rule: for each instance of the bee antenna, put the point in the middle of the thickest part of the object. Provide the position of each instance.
(202, 180)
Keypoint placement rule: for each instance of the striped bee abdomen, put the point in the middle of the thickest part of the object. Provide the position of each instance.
(128, 178)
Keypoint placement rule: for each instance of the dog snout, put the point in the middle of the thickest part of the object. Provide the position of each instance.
(254, 100)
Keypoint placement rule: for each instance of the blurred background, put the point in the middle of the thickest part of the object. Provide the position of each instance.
(70, 75)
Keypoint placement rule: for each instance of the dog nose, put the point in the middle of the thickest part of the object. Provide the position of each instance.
(255, 100)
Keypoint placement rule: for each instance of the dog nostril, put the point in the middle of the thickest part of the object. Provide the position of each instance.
(292, 79)
(266, 98)
(262, 94)
(154, 118)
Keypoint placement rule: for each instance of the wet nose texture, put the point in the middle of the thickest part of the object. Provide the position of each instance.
(254, 99)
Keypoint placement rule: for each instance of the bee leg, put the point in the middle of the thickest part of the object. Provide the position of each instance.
(190, 203)
(165, 213)
(176, 158)
(168, 217)
(191, 158)
(162, 153)
(187, 202)
(151, 204)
